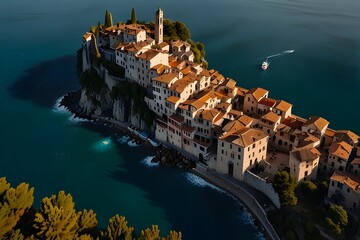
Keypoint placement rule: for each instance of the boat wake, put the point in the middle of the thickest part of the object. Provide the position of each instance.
(148, 162)
(280, 54)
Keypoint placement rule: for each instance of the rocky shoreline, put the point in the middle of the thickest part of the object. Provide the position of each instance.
(165, 156)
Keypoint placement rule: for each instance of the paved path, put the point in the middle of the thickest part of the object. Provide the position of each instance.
(246, 197)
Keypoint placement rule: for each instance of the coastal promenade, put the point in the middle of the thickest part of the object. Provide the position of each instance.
(243, 194)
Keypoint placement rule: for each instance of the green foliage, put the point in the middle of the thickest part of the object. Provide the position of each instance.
(14, 202)
(175, 31)
(136, 93)
(290, 235)
(118, 229)
(91, 81)
(113, 68)
(335, 228)
(173, 235)
(87, 221)
(284, 184)
(4, 186)
(108, 19)
(15, 235)
(151, 234)
(308, 188)
(338, 215)
(133, 16)
(199, 52)
(57, 218)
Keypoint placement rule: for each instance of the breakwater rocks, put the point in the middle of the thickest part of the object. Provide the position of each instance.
(71, 102)
(172, 158)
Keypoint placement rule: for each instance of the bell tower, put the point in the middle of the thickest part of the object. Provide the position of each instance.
(159, 26)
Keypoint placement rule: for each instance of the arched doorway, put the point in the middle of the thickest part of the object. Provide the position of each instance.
(230, 168)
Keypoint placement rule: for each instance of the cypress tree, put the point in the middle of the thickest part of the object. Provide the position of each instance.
(133, 16)
(108, 19)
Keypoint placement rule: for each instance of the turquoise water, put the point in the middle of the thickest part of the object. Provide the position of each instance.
(38, 42)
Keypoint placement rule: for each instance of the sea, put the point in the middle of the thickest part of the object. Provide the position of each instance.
(47, 147)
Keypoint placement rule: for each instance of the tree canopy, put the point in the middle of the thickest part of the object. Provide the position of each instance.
(284, 184)
(108, 19)
(57, 218)
(133, 16)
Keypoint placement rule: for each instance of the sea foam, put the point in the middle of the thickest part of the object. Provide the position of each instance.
(58, 108)
(147, 162)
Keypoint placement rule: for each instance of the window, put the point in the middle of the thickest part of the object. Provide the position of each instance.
(306, 173)
(253, 146)
(222, 151)
(348, 190)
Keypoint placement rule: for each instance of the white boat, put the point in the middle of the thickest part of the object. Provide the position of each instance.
(265, 64)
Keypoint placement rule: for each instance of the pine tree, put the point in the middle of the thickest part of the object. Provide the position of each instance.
(151, 234)
(133, 16)
(57, 218)
(118, 229)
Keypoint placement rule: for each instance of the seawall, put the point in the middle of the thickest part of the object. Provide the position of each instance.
(251, 203)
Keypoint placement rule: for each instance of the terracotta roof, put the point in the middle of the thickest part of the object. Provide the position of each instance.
(271, 116)
(180, 85)
(205, 73)
(179, 64)
(160, 68)
(86, 35)
(177, 118)
(340, 149)
(188, 128)
(346, 135)
(305, 139)
(293, 122)
(258, 93)
(244, 137)
(149, 54)
(330, 132)
(356, 161)
(319, 122)
(283, 106)
(173, 99)
(163, 44)
(304, 155)
(166, 78)
(233, 126)
(268, 102)
(246, 120)
(179, 43)
(223, 105)
(230, 83)
(343, 178)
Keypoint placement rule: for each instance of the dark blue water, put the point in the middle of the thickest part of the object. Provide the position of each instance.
(38, 42)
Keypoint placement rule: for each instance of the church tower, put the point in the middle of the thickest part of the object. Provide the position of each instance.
(159, 29)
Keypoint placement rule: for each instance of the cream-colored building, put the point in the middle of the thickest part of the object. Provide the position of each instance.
(316, 126)
(346, 136)
(304, 163)
(269, 123)
(345, 189)
(182, 50)
(240, 151)
(283, 109)
(339, 153)
(252, 98)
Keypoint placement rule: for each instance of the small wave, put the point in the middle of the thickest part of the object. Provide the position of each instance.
(199, 182)
(58, 108)
(148, 162)
(75, 119)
